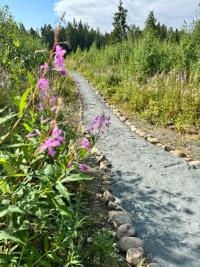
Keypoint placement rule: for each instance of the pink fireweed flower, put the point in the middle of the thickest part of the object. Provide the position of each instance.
(44, 67)
(55, 140)
(59, 60)
(85, 143)
(98, 124)
(83, 167)
(63, 72)
(43, 84)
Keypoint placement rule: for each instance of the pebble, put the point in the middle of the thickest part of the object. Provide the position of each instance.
(106, 178)
(195, 164)
(153, 140)
(105, 188)
(95, 151)
(133, 128)
(111, 205)
(119, 217)
(140, 133)
(189, 159)
(107, 196)
(130, 242)
(179, 153)
(125, 230)
(101, 158)
(128, 123)
(168, 148)
(123, 119)
(103, 165)
(134, 255)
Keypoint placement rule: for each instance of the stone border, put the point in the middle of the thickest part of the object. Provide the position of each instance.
(120, 219)
(195, 164)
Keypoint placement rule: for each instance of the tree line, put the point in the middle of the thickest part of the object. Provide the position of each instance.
(80, 35)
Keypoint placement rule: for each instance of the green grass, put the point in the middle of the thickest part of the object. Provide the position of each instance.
(155, 80)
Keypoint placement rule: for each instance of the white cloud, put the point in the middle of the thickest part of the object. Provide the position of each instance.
(99, 13)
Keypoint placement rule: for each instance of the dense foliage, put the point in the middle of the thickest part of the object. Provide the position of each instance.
(153, 74)
(42, 159)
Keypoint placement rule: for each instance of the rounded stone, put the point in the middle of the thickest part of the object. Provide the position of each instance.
(167, 148)
(195, 164)
(134, 255)
(111, 205)
(119, 217)
(140, 133)
(101, 158)
(105, 188)
(130, 242)
(125, 230)
(179, 153)
(128, 123)
(95, 151)
(107, 196)
(106, 178)
(189, 159)
(153, 140)
(133, 128)
(123, 119)
(103, 165)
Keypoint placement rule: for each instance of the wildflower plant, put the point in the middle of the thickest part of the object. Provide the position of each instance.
(39, 164)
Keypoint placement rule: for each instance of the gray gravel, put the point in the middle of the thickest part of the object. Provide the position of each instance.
(160, 190)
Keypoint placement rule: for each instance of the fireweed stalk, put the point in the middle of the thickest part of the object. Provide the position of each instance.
(43, 222)
(54, 138)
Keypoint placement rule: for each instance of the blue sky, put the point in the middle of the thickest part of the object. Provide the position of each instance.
(99, 13)
(32, 12)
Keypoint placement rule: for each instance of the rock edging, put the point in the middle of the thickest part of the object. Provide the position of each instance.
(117, 216)
(192, 163)
(121, 220)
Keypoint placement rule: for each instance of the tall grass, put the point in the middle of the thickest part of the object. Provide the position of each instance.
(155, 79)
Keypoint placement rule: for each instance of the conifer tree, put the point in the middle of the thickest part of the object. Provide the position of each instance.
(120, 23)
(150, 23)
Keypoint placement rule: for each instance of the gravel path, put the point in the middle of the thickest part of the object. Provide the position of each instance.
(161, 191)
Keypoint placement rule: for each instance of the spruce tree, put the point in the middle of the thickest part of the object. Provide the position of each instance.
(150, 23)
(120, 23)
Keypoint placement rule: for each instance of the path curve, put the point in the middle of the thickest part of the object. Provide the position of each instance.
(160, 190)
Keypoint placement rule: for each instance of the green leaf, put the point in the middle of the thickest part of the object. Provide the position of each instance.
(82, 153)
(24, 101)
(45, 263)
(18, 145)
(7, 118)
(2, 109)
(63, 191)
(77, 177)
(10, 209)
(5, 236)
(27, 127)
(3, 186)
(7, 166)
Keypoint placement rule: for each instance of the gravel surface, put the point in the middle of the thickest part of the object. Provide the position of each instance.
(160, 190)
